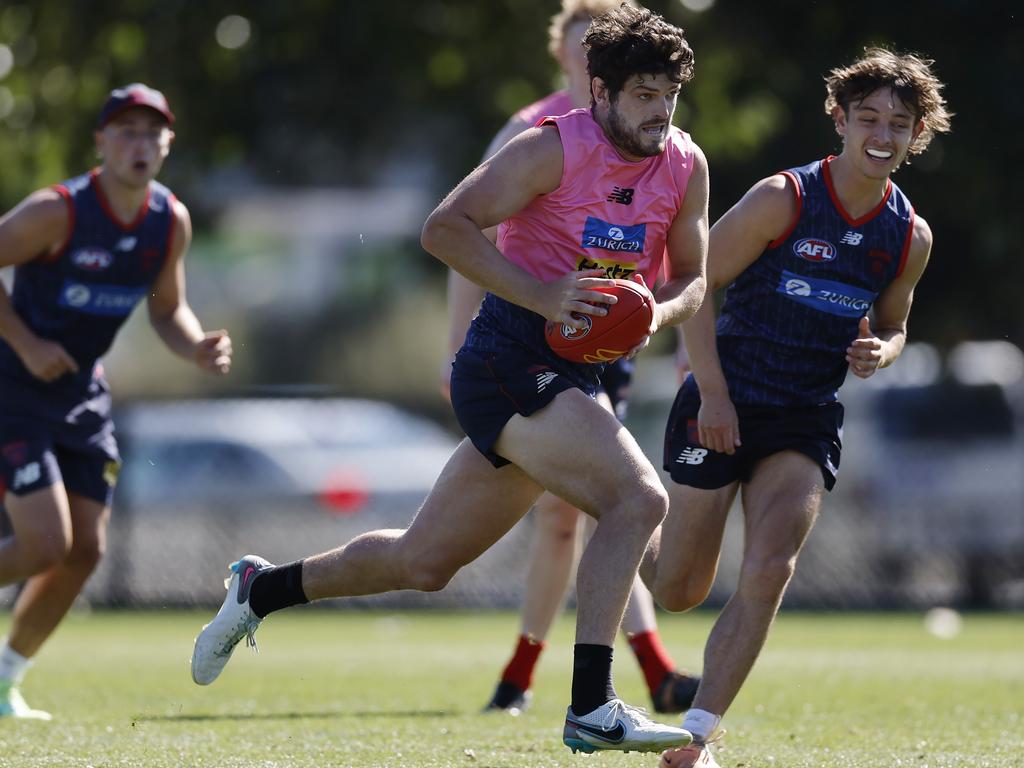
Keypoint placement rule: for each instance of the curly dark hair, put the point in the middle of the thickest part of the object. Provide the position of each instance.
(630, 41)
(909, 76)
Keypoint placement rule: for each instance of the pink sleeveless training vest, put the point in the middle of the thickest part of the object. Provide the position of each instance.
(606, 213)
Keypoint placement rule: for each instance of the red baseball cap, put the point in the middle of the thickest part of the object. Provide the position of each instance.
(133, 95)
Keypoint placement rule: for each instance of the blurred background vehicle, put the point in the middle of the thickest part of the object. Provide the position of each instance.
(347, 456)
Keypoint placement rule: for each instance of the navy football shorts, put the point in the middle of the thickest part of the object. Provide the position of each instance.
(47, 440)
(489, 388)
(815, 431)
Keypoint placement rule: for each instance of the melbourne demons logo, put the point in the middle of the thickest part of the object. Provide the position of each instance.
(814, 249)
(92, 259)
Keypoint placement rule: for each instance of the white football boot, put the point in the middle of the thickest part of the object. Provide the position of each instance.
(617, 725)
(13, 705)
(233, 621)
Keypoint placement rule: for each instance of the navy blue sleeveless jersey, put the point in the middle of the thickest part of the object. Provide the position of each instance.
(81, 295)
(788, 318)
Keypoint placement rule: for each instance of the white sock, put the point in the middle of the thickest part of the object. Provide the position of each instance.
(701, 724)
(12, 664)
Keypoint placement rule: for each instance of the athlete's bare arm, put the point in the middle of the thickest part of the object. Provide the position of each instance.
(878, 347)
(529, 165)
(737, 239)
(37, 226)
(464, 296)
(171, 316)
(687, 249)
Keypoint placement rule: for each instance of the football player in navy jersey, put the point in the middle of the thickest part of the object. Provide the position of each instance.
(821, 263)
(85, 253)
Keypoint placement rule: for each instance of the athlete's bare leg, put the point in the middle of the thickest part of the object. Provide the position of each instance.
(47, 596)
(551, 561)
(639, 615)
(470, 507)
(559, 447)
(41, 522)
(473, 505)
(781, 503)
(682, 558)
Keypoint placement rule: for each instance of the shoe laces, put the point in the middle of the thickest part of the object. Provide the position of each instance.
(618, 708)
(246, 628)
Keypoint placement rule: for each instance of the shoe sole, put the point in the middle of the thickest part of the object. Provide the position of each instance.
(578, 744)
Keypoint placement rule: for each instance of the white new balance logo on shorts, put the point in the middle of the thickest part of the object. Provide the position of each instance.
(692, 456)
(543, 379)
(27, 475)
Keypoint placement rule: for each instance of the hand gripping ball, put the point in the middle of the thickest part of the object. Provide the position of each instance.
(608, 337)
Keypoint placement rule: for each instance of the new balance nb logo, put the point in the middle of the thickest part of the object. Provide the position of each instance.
(26, 475)
(622, 195)
(852, 238)
(692, 455)
(543, 379)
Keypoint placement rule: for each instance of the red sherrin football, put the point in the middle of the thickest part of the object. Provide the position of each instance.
(608, 337)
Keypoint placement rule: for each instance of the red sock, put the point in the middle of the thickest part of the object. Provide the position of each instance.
(519, 671)
(654, 659)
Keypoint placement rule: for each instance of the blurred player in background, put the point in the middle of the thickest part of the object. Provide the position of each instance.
(553, 550)
(85, 253)
(530, 416)
(805, 254)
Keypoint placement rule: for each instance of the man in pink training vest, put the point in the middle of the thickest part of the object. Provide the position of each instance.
(615, 184)
(552, 552)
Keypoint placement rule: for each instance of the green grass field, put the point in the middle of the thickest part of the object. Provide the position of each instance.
(404, 689)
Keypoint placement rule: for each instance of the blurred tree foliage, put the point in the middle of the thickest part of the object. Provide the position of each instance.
(356, 93)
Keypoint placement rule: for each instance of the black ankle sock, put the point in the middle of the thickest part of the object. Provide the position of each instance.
(278, 588)
(591, 677)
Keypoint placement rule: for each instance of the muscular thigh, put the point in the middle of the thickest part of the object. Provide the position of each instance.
(89, 520)
(470, 507)
(578, 451)
(691, 536)
(780, 503)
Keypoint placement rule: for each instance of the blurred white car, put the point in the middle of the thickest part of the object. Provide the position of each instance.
(346, 455)
(207, 481)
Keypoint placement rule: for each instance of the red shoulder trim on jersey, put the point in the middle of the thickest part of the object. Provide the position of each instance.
(54, 256)
(105, 205)
(906, 244)
(796, 219)
(839, 206)
(171, 200)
